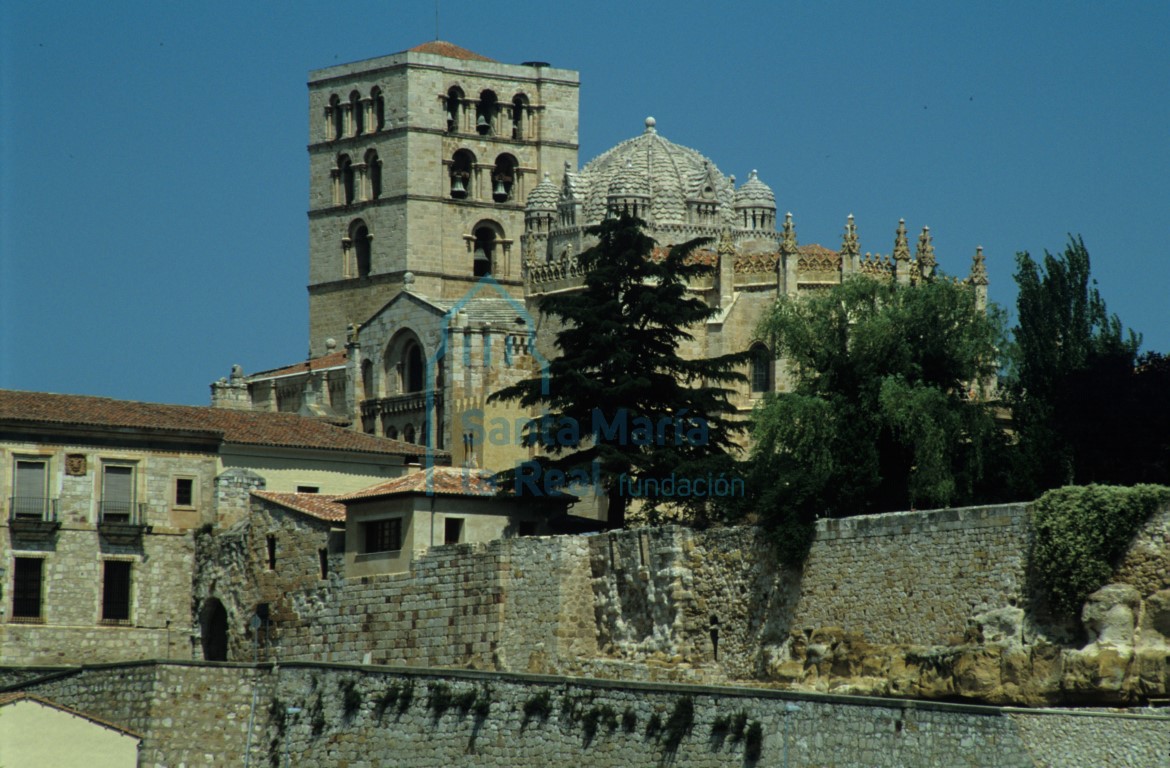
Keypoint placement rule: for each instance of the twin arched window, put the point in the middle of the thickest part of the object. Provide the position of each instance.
(355, 182)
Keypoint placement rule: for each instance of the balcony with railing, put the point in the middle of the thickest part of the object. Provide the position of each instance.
(32, 517)
(120, 520)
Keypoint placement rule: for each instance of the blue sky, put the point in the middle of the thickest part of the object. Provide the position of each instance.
(153, 171)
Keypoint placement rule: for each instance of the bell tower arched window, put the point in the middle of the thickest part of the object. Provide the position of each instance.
(504, 178)
(345, 173)
(379, 108)
(454, 108)
(519, 116)
(486, 112)
(413, 371)
(374, 173)
(360, 240)
(461, 181)
(485, 251)
(336, 119)
(356, 114)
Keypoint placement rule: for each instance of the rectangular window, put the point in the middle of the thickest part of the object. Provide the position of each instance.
(116, 591)
(117, 493)
(323, 556)
(382, 535)
(184, 492)
(452, 530)
(272, 553)
(26, 588)
(30, 488)
(308, 489)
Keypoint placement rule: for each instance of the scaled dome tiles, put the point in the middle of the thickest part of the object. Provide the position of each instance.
(649, 165)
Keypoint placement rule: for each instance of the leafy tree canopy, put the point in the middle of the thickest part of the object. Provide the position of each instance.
(620, 363)
(1076, 402)
(886, 408)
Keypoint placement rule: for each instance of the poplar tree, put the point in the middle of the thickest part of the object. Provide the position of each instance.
(619, 362)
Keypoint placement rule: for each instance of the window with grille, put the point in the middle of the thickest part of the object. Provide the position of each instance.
(116, 591)
(30, 488)
(117, 493)
(761, 373)
(382, 535)
(27, 575)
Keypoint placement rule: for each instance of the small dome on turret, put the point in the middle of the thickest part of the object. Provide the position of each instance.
(543, 196)
(755, 194)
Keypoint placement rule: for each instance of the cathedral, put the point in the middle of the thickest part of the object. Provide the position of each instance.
(446, 199)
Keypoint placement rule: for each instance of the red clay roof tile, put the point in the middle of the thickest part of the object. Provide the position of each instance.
(319, 505)
(450, 50)
(232, 426)
(439, 481)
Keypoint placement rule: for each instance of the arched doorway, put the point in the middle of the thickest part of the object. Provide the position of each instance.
(213, 630)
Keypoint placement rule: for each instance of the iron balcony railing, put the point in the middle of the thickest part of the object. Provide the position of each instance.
(39, 508)
(122, 512)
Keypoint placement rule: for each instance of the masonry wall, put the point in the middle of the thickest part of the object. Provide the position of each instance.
(202, 715)
(714, 601)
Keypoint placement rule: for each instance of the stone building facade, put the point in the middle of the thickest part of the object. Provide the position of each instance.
(101, 500)
(446, 200)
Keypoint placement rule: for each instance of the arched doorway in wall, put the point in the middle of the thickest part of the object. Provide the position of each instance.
(213, 630)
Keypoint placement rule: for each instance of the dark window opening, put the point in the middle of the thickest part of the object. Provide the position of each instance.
(27, 575)
(368, 379)
(374, 168)
(323, 557)
(454, 102)
(461, 166)
(391, 432)
(485, 245)
(337, 118)
(761, 369)
(408, 433)
(519, 106)
(271, 553)
(355, 111)
(184, 492)
(503, 178)
(308, 489)
(116, 591)
(415, 373)
(715, 637)
(452, 530)
(361, 250)
(485, 113)
(345, 165)
(213, 630)
(379, 109)
(382, 535)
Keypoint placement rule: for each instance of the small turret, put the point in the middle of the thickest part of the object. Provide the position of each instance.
(978, 278)
(850, 247)
(788, 262)
(925, 255)
(755, 205)
(540, 211)
(901, 254)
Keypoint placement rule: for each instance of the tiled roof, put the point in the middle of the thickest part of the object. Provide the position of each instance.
(232, 426)
(450, 50)
(485, 309)
(319, 505)
(438, 481)
(10, 698)
(332, 360)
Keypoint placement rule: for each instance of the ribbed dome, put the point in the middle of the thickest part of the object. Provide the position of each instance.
(755, 194)
(629, 181)
(543, 196)
(650, 165)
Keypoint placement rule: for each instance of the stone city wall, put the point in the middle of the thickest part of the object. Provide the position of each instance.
(361, 717)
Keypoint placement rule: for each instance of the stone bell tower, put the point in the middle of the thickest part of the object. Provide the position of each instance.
(421, 162)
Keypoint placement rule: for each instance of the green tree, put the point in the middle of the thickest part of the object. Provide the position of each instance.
(881, 414)
(619, 368)
(1071, 380)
